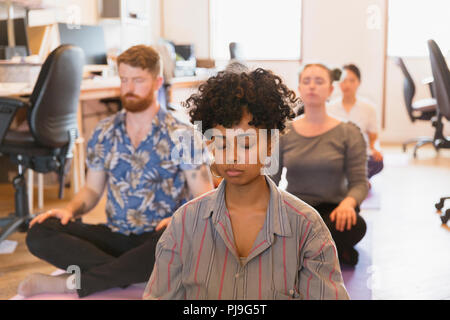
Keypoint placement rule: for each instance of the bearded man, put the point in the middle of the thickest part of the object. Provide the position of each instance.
(129, 155)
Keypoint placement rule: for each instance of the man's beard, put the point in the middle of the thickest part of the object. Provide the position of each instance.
(138, 104)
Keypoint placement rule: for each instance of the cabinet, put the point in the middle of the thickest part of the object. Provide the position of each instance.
(127, 18)
(129, 11)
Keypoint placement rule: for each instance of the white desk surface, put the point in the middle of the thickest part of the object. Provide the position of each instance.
(14, 88)
(23, 88)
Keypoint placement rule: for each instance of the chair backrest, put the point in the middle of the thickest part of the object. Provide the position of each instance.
(409, 88)
(441, 79)
(236, 51)
(54, 100)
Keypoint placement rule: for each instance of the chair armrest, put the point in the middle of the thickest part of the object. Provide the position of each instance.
(8, 109)
(427, 80)
(430, 82)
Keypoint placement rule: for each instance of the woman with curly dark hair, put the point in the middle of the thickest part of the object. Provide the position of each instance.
(247, 239)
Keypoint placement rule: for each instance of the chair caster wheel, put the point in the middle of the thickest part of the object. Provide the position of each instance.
(445, 217)
(440, 204)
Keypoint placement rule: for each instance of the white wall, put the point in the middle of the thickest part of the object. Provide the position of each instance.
(187, 22)
(337, 32)
(334, 32)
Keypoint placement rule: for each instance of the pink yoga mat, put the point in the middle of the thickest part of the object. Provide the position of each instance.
(357, 280)
(133, 292)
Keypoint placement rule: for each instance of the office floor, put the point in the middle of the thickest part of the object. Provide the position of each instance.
(16, 266)
(411, 250)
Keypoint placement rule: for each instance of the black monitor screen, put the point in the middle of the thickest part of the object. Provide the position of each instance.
(185, 50)
(20, 33)
(89, 38)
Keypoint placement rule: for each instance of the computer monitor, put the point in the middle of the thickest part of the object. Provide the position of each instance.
(89, 38)
(20, 35)
(186, 51)
(187, 66)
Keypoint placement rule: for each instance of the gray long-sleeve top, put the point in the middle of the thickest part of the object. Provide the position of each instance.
(327, 167)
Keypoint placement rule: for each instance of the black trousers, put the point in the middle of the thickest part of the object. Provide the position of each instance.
(106, 259)
(343, 239)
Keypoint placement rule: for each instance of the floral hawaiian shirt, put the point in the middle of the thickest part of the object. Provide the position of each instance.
(145, 184)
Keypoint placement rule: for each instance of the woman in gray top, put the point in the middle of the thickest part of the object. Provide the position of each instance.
(326, 163)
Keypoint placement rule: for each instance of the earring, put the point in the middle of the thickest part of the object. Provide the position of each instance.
(268, 162)
(265, 169)
(212, 171)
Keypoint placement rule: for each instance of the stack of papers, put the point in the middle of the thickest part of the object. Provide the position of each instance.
(7, 246)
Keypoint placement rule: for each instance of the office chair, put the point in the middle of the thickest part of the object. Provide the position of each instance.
(446, 216)
(424, 109)
(441, 88)
(52, 119)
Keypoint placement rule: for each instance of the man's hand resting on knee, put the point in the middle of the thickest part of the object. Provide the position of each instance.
(86, 199)
(64, 215)
(163, 224)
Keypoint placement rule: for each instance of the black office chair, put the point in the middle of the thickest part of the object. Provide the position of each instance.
(52, 119)
(424, 109)
(236, 51)
(441, 88)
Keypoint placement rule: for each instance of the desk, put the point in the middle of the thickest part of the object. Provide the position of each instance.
(96, 89)
(18, 71)
(15, 88)
(185, 82)
(99, 88)
(93, 89)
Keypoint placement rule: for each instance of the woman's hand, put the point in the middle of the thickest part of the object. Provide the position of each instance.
(344, 214)
(164, 223)
(64, 215)
(377, 156)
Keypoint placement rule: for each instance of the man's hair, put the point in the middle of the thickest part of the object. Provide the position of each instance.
(334, 74)
(221, 100)
(353, 68)
(144, 57)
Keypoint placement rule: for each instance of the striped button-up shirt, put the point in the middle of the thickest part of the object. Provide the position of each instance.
(293, 256)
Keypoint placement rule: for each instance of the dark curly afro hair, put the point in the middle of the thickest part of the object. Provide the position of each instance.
(222, 98)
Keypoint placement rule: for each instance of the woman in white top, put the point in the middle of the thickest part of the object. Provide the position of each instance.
(351, 108)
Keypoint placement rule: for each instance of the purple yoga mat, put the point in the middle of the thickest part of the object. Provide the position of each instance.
(356, 279)
(133, 292)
